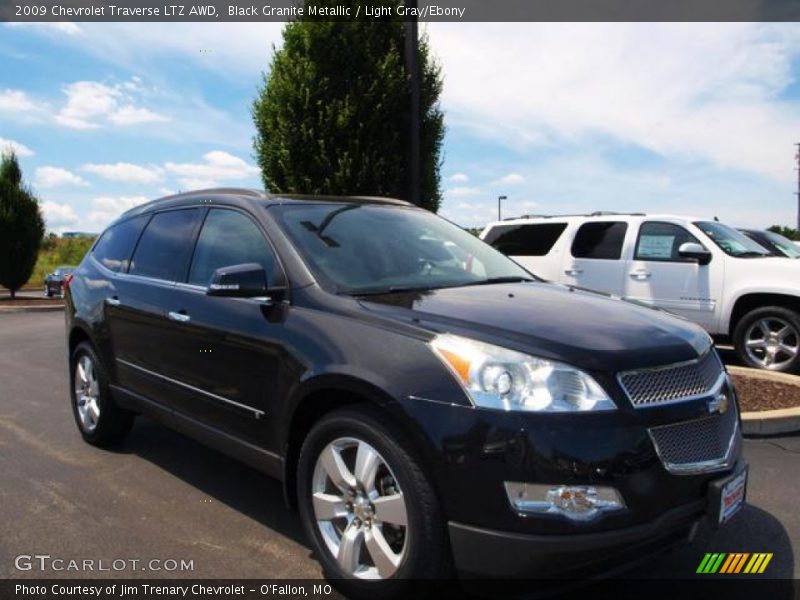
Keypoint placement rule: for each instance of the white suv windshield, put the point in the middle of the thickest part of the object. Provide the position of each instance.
(731, 241)
(363, 249)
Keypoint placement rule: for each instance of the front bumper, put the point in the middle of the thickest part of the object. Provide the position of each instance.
(499, 554)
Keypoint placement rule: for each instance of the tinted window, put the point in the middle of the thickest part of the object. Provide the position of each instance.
(114, 247)
(661, 241)
(163, 249)
(525, 240)
(228, 238)
(599, 240)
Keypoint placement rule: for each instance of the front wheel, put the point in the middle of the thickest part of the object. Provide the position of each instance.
(769, 338)
(368, 508)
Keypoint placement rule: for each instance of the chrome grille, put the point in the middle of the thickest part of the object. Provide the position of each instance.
(646, 387)
(701, 445)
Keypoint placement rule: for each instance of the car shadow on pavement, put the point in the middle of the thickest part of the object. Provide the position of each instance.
(213, 473)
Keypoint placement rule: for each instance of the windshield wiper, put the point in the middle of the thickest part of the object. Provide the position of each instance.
(396, 289)
(750, 254)
(506, 279)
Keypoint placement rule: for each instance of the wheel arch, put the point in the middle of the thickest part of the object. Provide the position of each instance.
(319, 397)
(751, 301)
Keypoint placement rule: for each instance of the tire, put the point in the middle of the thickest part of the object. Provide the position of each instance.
(100, 421)
(769, 338)
(47, 291)
(419, 551)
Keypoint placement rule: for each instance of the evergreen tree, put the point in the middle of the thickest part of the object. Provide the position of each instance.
(333, 114)
(21, 226)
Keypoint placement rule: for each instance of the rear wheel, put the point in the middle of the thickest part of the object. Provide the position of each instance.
(368, 507)
(99, 419)
(769, 338)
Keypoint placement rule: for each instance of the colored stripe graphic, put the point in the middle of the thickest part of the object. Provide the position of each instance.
(721, 562)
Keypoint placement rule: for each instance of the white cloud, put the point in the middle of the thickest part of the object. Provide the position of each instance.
(462, 192)
(217, 167)
(65, 27)
(51, 177)
(107, 208)
(711, 92)
(133, 115)
(459, 178)
(511, 179)
(125, 172)
(16, 147)
(58, 216)
(91, 104)
(15, 101)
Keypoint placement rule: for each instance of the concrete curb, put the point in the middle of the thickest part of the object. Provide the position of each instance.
(32, 308)
(770, 422)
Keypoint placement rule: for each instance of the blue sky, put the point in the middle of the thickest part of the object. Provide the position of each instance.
(685, 118)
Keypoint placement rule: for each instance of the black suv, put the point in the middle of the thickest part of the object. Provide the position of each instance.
(426, 401)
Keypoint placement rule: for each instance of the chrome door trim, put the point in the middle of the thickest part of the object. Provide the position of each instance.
(258, 414)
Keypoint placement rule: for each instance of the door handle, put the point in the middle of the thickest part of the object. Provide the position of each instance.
(113, 301)
(640, 275)
(574, 271)
(179, 317)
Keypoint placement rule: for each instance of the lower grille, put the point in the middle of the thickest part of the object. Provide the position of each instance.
(698, 446)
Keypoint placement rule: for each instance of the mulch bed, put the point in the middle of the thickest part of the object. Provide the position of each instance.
(7, 302)
(757, 394)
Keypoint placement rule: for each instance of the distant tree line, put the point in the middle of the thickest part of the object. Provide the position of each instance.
(787, 232)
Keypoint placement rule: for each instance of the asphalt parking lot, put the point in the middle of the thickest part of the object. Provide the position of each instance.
(163, 496)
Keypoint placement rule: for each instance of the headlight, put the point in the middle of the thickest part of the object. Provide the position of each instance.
(496, 377)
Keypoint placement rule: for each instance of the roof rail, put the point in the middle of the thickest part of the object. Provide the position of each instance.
(597, 213)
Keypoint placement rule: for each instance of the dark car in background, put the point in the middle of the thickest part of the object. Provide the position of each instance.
(54, 282)
(427, 403)
(775, 243)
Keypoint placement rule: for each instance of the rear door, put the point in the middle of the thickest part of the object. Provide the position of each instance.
(659, 277)
(595, 259)
(223, 354)
(136, 311)
(533, 245)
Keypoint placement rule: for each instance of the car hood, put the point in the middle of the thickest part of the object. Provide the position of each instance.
(586, 329)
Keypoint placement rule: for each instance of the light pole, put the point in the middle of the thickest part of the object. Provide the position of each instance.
(499, 200)
(412, 68)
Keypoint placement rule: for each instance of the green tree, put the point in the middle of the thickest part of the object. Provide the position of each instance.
(21, 226)
(332, 114)
(787, 232)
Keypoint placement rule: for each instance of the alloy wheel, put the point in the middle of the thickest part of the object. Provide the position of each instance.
(360, 509)
(87, 393)
(772, 343)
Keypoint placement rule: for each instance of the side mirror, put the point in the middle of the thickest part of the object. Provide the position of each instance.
(694, 251)
(239, 281)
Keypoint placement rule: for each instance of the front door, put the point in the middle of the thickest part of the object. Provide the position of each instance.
(659, 277)
(223, 354)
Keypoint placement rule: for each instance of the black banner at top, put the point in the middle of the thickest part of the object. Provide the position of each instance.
(423, 10)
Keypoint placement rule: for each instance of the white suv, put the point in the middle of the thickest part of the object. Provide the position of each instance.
(697, 268)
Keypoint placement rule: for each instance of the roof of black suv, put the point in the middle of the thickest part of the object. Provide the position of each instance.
(239, 196)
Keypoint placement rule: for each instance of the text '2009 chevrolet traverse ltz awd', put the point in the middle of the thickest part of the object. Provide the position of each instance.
(427, 402)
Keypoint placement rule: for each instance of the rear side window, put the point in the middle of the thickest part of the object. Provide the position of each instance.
(525, 240)
(661, 241)
(164, 248)
(113, 249)
(228, 238)
(600, 240)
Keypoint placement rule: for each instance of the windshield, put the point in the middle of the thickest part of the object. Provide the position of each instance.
(362, 249)
(786, 246)
(731, 241)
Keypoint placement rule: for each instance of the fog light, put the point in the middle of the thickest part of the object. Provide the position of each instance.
(575, 502)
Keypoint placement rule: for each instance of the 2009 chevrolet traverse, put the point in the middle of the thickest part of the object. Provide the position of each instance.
(427, 402)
